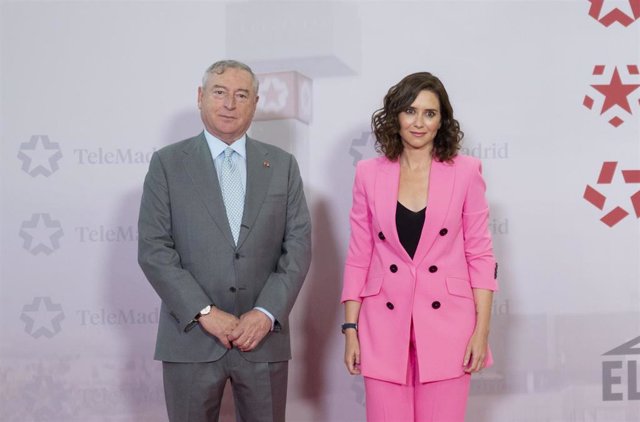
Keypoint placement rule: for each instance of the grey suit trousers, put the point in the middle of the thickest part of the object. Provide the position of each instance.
(193, 391)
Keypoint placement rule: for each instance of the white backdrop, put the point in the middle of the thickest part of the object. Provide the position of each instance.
(547, 93)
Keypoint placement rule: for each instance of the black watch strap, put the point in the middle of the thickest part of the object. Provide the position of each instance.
(348, 325)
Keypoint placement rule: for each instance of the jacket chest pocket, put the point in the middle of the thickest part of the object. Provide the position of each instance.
(459, 287)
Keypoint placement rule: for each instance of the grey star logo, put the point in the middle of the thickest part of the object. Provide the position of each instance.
(42, 317)
(41, 234)
(40, 156)
(356, 150)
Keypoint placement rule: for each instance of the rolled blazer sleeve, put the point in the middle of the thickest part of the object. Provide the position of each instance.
(360, 242)
(477, 239)
(157, 255)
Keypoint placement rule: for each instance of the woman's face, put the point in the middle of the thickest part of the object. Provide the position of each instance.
(420, 122)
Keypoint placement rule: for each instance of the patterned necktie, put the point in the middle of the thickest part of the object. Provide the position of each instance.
(232, 192)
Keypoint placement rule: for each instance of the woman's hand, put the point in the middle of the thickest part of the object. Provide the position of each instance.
(352, 351)
(476, 353)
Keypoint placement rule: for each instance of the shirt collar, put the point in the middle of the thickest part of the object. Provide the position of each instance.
(217, 147)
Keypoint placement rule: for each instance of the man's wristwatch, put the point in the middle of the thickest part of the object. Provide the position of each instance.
(348, 325)
(205, 311)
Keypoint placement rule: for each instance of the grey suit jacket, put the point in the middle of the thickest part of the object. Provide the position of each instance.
(187, 253)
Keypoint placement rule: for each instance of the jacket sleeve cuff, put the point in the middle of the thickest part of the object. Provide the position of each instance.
(485, 278)
(354, 279)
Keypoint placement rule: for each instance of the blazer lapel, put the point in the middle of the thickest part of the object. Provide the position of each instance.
(441, 182)
(258, 179)
(198, 163)
(386, 202)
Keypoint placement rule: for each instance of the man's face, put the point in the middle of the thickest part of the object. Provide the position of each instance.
(227, 103)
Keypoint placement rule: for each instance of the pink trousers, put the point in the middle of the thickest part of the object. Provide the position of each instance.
(439, 401)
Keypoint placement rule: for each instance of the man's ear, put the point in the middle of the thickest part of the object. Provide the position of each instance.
(200, 97)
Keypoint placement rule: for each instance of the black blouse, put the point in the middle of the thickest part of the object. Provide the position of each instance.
(409, 225)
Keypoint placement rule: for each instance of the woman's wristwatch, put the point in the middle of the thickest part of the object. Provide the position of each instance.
(348, 325)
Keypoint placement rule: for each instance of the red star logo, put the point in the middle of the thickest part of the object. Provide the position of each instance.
(615, 14)
(597, 199)
(616, 93)
(275, 95)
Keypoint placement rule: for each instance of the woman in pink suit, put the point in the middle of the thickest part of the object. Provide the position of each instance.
(420, 271)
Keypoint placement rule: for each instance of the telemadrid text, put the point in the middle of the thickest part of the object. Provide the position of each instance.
(115, 156)
(119, 317)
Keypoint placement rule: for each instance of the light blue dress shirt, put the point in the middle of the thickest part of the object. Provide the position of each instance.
(217, 147)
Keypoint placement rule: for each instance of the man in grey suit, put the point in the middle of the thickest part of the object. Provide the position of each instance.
(224, 239)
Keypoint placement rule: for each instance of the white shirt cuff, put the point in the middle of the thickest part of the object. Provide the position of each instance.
(267, 313)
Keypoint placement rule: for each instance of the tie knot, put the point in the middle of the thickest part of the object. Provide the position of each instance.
(228, 152)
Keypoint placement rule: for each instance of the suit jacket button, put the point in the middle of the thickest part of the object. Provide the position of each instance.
(443, 232)
(435, 305)
(381, 236)
(390, 305)
(232, 289)
(237, 255)
(433, 269)
(393, 268)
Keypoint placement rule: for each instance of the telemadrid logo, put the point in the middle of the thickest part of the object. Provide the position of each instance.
(609, 11)
(619, 98)
(597, 199)
(365, 147)
(40, 156)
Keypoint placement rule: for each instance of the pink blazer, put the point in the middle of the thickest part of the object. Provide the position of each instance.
(434, 290)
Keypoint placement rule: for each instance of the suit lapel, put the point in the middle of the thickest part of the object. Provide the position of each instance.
(386, 200)
(198, 163)
(258, 179)
(441, 182)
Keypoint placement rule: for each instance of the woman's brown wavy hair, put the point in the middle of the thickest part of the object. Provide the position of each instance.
(386, 127)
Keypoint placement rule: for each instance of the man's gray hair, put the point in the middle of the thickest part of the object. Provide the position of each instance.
(221, 66)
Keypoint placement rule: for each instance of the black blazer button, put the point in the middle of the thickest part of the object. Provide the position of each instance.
(393, 268)
(381, 236)
(390, 305)
(443, 232)
(433, 269)
(435, 305)
(237, 255)
(232, 289)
